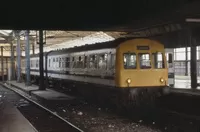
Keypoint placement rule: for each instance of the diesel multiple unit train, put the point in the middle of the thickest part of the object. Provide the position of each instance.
(125, 69)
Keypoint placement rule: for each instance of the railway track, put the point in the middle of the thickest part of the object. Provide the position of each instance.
(44, 119)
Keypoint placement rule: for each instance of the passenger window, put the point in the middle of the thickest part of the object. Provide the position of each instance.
(93, 61)
(60, 62)
(145, 61)
(112, 61)
(103, 61)
(63, 62)
(158, 60)
(85, 62)
(67, 62)
(63, 59)
(80, 62)
(130, 61)
(73, 62)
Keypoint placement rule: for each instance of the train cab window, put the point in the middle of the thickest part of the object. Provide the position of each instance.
(130, 61)
(53, 59)
(145, 61)
(158, 60)
(103, 61)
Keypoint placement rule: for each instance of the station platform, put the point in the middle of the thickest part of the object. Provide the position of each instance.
(11, 120)
(183, 86)
(42, 95)
(184, 82)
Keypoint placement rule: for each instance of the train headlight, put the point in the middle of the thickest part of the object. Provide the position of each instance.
(128, 80)
(162, 80)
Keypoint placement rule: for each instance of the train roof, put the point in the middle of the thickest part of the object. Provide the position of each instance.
(102, 45)
(86, 47)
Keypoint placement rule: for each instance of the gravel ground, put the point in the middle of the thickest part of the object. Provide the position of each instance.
(97, 119)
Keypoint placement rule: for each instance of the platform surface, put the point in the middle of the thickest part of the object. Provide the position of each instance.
(184, 82)
(11, 120)
(183, 86)
(47, 94)
(23, 87)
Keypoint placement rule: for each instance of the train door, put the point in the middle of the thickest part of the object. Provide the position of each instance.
(170, 63)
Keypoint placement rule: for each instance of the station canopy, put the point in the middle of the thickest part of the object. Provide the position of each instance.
(55, 40)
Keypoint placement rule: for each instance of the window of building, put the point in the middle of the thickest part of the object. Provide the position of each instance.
(158, 60)
(31, 63)
(37, 63)
(49, 62)
(145, 61)
(130, 61)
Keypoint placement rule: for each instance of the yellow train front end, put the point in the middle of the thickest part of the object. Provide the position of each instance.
(141, 67)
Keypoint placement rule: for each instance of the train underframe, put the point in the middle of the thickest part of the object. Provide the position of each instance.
(123, 98)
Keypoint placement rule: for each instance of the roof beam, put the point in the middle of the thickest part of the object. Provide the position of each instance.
(155, 30)
(3, 41)
(3, 35)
